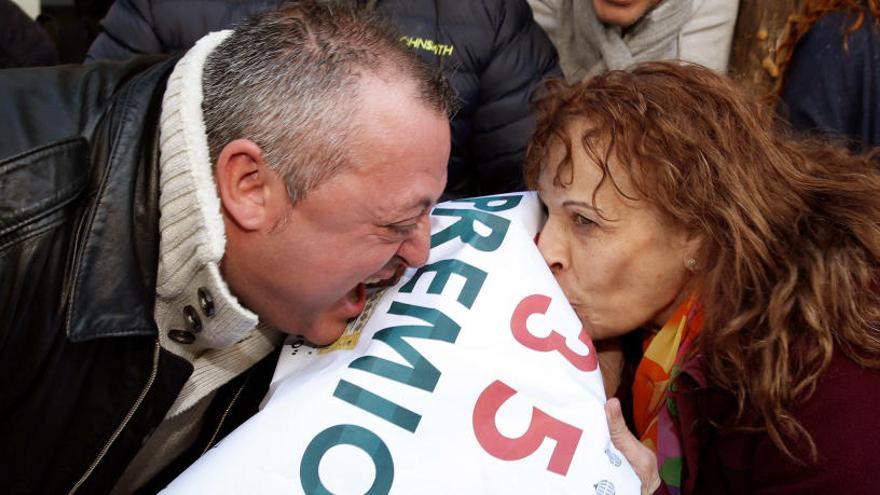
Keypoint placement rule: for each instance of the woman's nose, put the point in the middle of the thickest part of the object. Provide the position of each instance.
(552, 245)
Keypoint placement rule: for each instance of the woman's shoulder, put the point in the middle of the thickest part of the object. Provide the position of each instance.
(845, 394)
(841, 419)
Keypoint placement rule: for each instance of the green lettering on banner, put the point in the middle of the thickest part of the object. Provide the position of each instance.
(357, 436)
(474, 279)
(420, 373)
(508, 201)
(464, 228)
(380, 406)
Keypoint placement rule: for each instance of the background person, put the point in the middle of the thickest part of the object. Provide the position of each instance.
(746, 260)
(492, 52)
(23, 42)
(164, 224)
(594, 36)
(829, 58)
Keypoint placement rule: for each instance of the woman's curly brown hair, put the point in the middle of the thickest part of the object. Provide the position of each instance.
(810, 12)
(790, 228)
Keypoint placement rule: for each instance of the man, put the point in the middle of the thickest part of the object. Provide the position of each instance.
(161, 222)
(492, 51)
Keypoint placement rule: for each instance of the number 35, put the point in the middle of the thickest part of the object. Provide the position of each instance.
(541, 425)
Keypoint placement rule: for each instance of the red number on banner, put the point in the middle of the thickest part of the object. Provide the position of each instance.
(542, 426)
(538, 303)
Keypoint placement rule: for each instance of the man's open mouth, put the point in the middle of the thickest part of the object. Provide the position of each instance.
(357, 297)
(374, 283)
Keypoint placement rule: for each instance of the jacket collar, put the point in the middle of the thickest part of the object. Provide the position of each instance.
(111, 277)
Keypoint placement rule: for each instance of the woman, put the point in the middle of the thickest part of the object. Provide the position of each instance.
(842, 39)
(680, 212)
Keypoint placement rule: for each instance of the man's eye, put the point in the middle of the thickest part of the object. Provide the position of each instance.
(403, 230)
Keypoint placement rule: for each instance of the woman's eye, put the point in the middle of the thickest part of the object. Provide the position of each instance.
(581, 220)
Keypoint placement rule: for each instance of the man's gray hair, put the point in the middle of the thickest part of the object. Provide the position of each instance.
(288, 80)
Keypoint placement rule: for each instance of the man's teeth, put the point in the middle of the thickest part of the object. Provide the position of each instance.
(377, 282)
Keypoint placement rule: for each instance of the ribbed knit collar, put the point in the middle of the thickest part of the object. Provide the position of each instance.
(192, 234)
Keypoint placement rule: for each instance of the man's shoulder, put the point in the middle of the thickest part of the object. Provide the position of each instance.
(63, 127)
(39, 106)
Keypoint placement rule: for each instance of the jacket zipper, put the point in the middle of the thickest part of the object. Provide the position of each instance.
(223, 418)
(134, 408)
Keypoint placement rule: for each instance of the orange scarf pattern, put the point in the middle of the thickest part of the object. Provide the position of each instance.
(652, 409)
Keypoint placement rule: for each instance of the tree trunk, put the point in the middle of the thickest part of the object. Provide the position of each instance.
(759, 26)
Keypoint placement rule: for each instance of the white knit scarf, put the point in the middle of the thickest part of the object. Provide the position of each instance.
(193, 241)
(192, 234)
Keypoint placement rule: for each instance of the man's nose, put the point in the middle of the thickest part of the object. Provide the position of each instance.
(552, 246)
(415, 249)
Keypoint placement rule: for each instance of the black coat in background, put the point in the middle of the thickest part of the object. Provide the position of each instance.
(835, 90)
(23, 42)
(492, 51)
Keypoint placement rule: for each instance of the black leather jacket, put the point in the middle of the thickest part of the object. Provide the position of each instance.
(83, 381)
(492, 51)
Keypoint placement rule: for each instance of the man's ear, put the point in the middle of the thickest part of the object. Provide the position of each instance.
(245, 183)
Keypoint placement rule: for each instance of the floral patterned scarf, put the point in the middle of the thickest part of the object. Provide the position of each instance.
(653, 411)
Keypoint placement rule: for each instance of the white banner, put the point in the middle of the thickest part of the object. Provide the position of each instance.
(471, 375)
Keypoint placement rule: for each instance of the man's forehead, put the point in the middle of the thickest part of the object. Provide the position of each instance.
(400, 149)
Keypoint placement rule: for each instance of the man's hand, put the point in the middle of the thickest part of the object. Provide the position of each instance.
(642, 460)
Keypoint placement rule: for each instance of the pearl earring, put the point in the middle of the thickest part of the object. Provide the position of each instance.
(691, 264)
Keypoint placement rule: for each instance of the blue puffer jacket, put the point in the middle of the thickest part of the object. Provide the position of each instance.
(491, 50)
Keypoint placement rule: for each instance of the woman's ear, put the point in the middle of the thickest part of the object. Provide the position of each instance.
(244, 184)
(691, 249)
